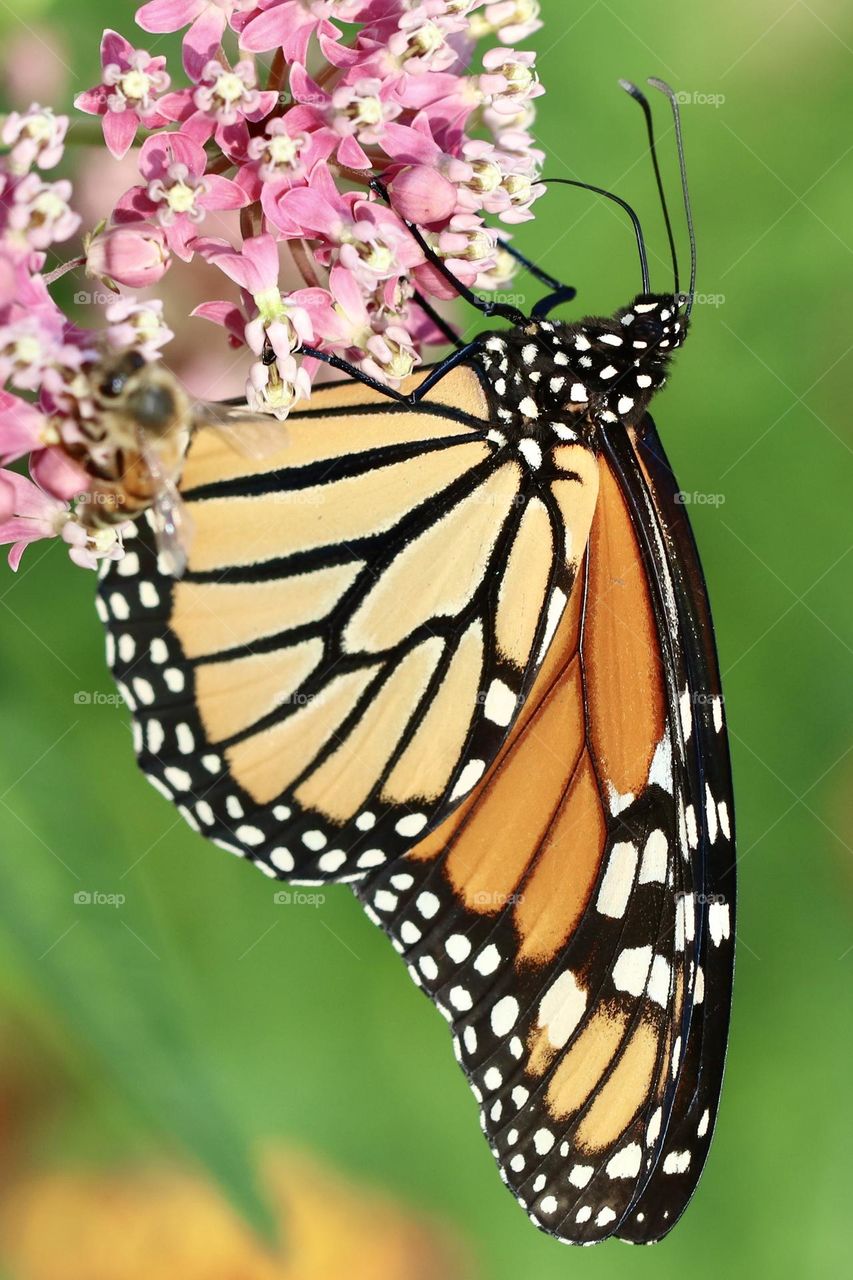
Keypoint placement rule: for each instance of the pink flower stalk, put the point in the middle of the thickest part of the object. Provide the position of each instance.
(36, 138)
(132, 254)
(127, 95)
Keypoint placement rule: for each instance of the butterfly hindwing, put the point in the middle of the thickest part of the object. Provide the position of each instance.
(556, 918)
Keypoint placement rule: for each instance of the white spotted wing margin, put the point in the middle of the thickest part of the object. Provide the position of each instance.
(598, 1073)
(281, 688)
(713, 849)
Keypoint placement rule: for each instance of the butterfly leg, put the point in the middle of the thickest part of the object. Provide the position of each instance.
(414, 398)
(484, 305)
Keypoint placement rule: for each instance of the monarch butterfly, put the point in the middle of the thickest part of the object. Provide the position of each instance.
(453, 646)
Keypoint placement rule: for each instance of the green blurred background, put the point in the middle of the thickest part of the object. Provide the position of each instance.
(201, 1016)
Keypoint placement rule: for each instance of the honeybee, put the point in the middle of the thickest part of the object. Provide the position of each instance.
(138, 438)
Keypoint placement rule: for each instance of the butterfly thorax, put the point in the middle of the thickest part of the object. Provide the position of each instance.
(554, 382)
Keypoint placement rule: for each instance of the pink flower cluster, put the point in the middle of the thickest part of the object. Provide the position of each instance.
(398, 89)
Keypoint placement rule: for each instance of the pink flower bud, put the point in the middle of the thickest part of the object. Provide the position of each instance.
(423, 196)
(136, 256)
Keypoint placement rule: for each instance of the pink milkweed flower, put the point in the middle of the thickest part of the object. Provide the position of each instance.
(509, 20)
(223, 98)
(36, 137)
(34, 515)
(369, 238)
(356, 111)
(290, 24)
(510, 80)
(138, 326)
(178, 193)
(22, 428)
(285, 153)
(135, 255)
(256, 270)
(372, 338)
(7, 500)
(128, 94)
(36, 214)
(206, 19)
(275, 388)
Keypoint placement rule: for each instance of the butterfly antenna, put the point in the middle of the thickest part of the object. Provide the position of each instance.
(638, 96)
(669, 92)
(635, 221)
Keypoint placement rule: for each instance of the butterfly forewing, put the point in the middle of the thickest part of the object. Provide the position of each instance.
(360, 619)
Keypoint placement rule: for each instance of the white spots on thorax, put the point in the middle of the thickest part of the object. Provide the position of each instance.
(607, 373)
(529, 353)
(642, 308)
(469, 777)
(500, 704)
(611, 339)
(618, 881)
(458, 948)
(580, 1175)
(412, 825)
(557, 384)
(495, 344)
(531, 452)
(655, 859)
(505, 1015)
(488, 960)
(561, 358)
(562, 1008)
(643, 381)
(497, 437)
(579, 393)
(625, 405)
(631, 971)
(500, 387)
(677, 1162)
(719, 922)
(529, 408)
(582, 343)
(626, 1163)
(562, 432)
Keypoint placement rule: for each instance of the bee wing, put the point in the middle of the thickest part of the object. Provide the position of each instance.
(172, 526)
(253, 435)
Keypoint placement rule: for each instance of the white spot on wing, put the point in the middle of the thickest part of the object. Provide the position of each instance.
(631, 971)
(562, 1008)
(618, 881)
